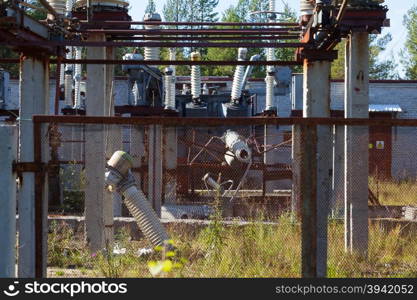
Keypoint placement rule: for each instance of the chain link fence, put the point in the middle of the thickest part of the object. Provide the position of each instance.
(228, 194)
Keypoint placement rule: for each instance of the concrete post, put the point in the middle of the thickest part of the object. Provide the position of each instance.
(95, 219)
(316, 103)
(34, 99)
(155, 158)
(170, 162)
(8, 152)
(112, 144)
(137, 150)
(356, 143)
(271, 138)
(297, 104)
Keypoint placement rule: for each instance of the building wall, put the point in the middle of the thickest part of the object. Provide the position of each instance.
(402, 93)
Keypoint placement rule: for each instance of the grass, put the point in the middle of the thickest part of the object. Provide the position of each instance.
(394, 192)
(255, 250)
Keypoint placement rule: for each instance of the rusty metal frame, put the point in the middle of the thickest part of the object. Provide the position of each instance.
(189, 23)
(183, 32)
(162, 62)
(153, 44)
(308, 131)
(244, 121)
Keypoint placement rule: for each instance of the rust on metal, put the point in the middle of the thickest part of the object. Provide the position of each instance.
(263, 24)
(153, 44)
(244, 121)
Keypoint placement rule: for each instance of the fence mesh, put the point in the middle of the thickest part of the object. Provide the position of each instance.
(231, 213)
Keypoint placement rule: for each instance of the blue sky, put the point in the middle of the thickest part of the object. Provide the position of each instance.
(398, 8)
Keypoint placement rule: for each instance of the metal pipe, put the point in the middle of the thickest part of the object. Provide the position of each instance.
(166, 62)
(191, 23)
(156, 44)
(190, 31)
(274, 37)
(249, 70)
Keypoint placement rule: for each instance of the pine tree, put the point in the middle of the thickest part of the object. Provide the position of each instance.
(204, 10)
(378, 69)
(409, 54)
(151, 7)
(176, 11)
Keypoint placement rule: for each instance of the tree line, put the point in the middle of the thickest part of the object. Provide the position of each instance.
(206, 11)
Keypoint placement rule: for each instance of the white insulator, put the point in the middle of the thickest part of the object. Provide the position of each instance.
(77, 79)
(270, 56)
(69, 5)
(145, 216)
(185, 89)
(62, 75)
(68, 77)
(206, 90)
(169, 86)
(271, 5)
(239, 76)
(237, 146)
(195, 82)
(173, 57)
(120, 165)
(195, 76)
(68, 90)
(152, 53)
(306, 8)
(58, 6)
(269, 98)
